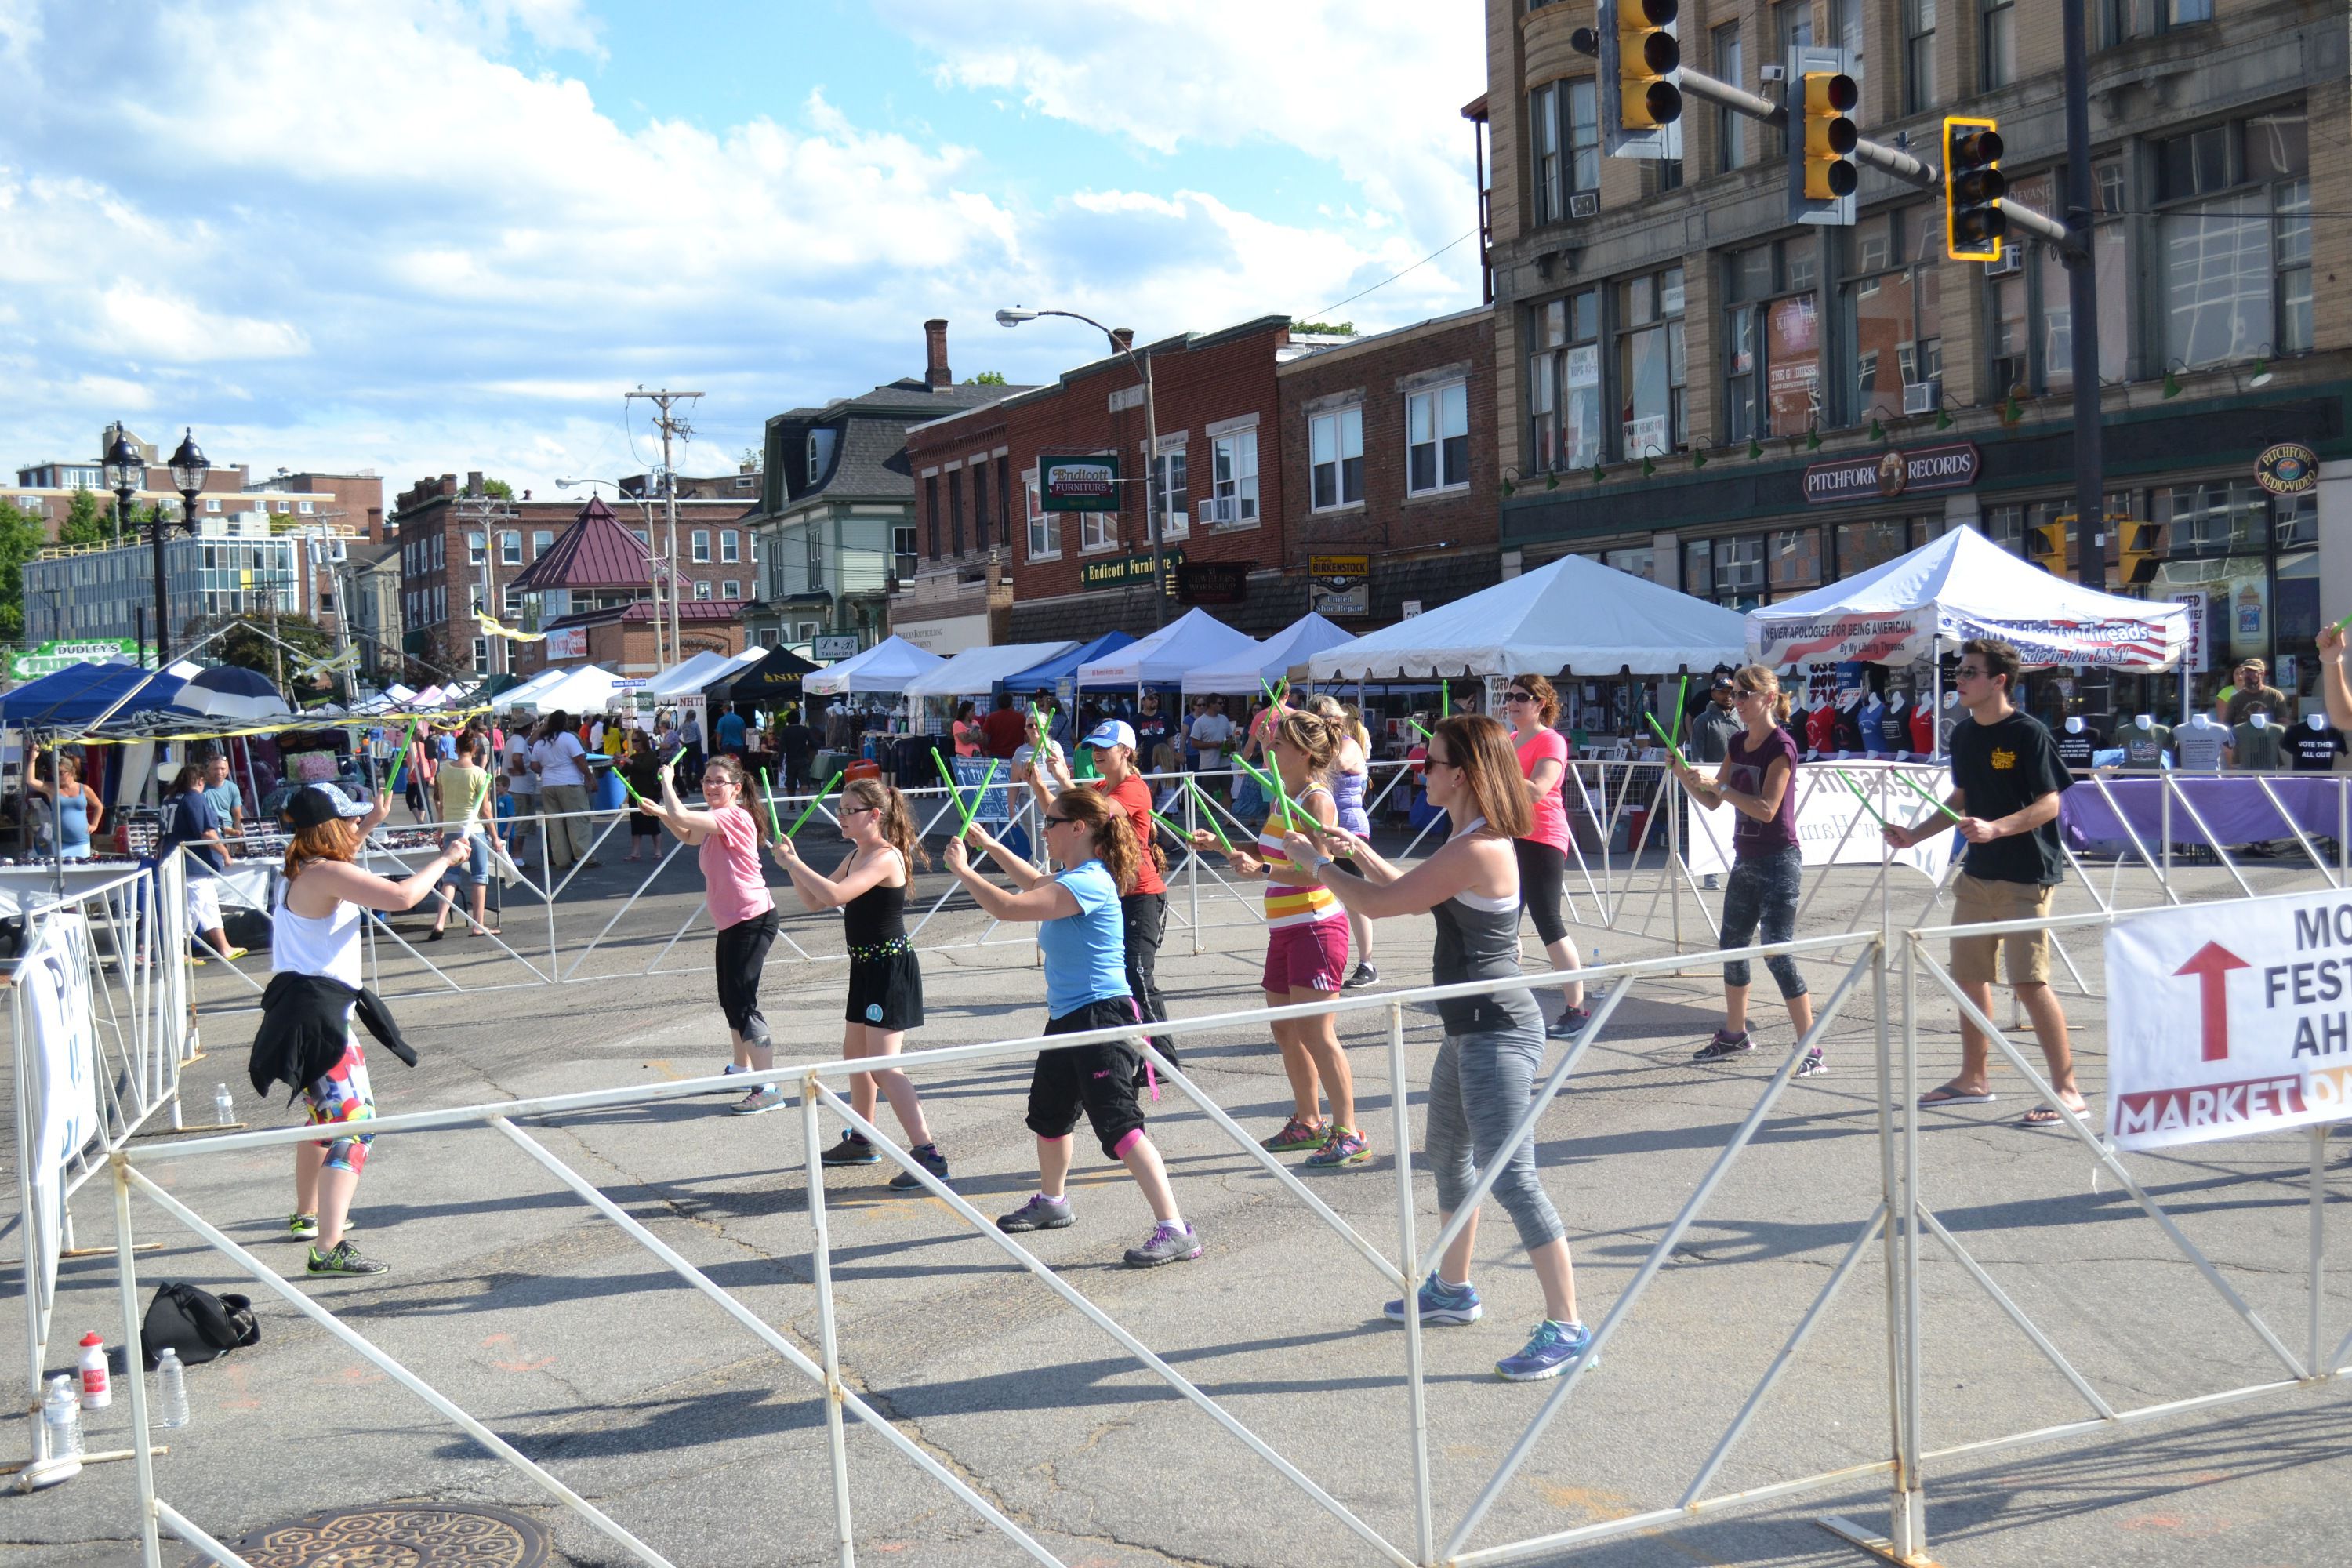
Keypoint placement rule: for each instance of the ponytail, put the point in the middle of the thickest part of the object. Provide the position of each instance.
(1114, 843)
(898, 823)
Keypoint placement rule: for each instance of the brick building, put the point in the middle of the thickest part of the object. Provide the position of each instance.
(1672, 355)
(1077, 574)
(1388, 452)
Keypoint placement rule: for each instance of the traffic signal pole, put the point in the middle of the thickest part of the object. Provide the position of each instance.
(2083, 323)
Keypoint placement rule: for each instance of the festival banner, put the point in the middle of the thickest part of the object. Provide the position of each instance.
(2228, 1019)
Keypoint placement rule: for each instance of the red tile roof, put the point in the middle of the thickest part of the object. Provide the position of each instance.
(595, 551)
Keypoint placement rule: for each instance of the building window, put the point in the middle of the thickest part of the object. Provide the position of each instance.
(1740, 572)
(731, 545)
(644, 541)
(2033, 309)
(700, 546)
(1862, 545)
(1997, 45)
(820, 454)
(1437, 439)
(1564, 120)
(1098, 531)
(701, 591)
(437, 540)
(1793, 561)
(1652, 371)
(1846, 32)
(955, 512)
(1731, 129)
(1564, 383)
(481, 656)
(1335, 444)
(510, 547)
(902, 550)
(731, 589)
(2235, 238)
(1771, 357)
(473, 547)
(1232, 469)
(1919, 56)
(211, 503)
(541, 538)
(1639, 561)
(1792, 28)
(1172, 485)
(1891, 320)
(1042, 545)
(2122, 20)
(931, 512)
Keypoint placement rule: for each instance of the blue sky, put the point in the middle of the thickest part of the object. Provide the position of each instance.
(448, 234)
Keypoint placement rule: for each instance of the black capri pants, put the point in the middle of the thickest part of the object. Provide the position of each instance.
(1097, 1081)
(742, 954)
(1543, 873)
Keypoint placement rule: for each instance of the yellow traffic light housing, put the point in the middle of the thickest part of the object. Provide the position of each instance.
(1830, 136)
(2046, 543)
(2139, 551)
(1973, 187)
(1640, 106)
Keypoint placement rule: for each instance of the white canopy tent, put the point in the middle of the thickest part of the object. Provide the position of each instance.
(527, 694)
(1268, 662)
(976, 670)
(1960, 586)
(586, 690)
(1574, 614)
(685, 679)
(1167, 655)
(886, 668)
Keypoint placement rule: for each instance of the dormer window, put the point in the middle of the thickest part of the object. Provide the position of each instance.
(820, 454)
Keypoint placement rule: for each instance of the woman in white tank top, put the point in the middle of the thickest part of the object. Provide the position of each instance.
(315, 930)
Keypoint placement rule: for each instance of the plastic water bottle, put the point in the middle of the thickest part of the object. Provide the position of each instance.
(96, 1391)
(170, 1388)
(223, 1105)
(61, 1417)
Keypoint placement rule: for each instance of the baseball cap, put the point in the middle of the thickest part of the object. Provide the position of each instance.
(314, 804)
(1723, 681)
(1110, 733)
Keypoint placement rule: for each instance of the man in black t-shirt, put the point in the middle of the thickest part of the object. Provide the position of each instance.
(2006, 780)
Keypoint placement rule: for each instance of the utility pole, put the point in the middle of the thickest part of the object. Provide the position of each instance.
(486, 512)
(671, 427)
(2083, 328)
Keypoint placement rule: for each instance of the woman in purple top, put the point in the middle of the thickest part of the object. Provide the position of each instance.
(1757, 780)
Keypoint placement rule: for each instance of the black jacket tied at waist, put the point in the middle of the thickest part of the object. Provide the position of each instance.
(302, 1030)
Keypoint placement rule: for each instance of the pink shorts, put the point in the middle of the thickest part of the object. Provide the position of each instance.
(1310, 957)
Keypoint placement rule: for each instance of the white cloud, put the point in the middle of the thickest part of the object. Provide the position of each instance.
(430, 260)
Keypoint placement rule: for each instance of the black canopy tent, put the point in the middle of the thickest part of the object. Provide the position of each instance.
(774, 681)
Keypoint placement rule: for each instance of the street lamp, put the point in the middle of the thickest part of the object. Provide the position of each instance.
(126, 476)
(188, 467)
(1012, 316)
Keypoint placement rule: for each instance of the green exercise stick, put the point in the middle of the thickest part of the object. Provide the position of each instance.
(767, 793)
(1212, 805)
(1672, 750)
(1291, 811)
(979, 796)
(1424, 734)
(805, 815)
(1930, 799)
(1444, 700)
(1682, 695)
(1860, 799)
(947, 778)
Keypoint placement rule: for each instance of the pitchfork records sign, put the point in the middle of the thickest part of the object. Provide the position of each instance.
(2226, 1019)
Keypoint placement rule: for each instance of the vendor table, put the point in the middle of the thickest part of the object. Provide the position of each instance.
(2236, 808)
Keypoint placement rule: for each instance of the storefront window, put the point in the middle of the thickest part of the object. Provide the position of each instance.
(1640, 561)
(2031, 308)
(1564, 385)
(1740, 572)
(1773, 363)
(1795, 560)
(1862, 545)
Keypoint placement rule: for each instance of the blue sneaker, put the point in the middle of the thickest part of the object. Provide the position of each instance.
(1442, 1305)
(1555, 1347)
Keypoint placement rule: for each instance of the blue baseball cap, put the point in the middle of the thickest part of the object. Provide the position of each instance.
(1110, 733)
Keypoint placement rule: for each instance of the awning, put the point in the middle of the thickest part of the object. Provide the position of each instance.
(975, 671)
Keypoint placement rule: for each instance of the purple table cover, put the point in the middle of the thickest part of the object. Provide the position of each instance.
(2236, 809)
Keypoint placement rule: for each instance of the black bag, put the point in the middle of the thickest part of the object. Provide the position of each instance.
(198, 1324)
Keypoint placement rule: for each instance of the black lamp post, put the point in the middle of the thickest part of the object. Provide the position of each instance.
(188, 466)
(126, 476)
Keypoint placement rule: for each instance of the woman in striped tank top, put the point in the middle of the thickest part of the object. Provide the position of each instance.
(1306, 951)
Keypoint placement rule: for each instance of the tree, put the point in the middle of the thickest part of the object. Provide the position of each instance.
(246, 645)
(21, 538)
(498, 489)
(750, 460)
(1326, 329)
(87, 520)
(986, 378)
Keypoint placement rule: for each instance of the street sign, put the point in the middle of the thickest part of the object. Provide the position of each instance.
(1078, 484)
(48, 658)
(833, 649)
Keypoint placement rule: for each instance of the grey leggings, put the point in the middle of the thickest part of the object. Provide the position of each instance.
(1477, 1092)
(1763, 889)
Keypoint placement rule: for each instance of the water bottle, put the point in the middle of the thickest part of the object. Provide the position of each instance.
(223, 1105)
(96, 1391)
(61, 1417)
(172, 1388)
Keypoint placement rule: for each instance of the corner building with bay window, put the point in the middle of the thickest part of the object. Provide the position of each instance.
(1692, 388)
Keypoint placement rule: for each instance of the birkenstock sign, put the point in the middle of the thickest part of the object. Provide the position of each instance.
(1884, 475)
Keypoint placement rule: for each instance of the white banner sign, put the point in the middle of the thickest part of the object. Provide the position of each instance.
(53, 981)
(2226, 1019)
(1835, 825)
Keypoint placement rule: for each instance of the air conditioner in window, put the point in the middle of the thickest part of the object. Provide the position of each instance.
(1584, 203)
(2012, 262)
(1923, 396)
(1221, 511)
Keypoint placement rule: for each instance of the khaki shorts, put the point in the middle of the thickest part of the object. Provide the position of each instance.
(1977, 902)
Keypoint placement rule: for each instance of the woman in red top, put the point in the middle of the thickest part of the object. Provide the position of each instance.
(967, 731)
(1532, 705)
(1143, 908)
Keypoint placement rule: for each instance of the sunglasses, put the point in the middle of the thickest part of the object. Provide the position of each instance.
(1053, 821)
(1967, 673)
(1516, 695)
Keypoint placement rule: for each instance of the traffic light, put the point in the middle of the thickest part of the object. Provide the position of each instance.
(2046, 543)
(1639, 104)
(2139, 551)
(1973, 186)
(1822, 138)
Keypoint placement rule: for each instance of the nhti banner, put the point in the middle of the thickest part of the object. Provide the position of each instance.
(1835, 825)
(2226, 1019)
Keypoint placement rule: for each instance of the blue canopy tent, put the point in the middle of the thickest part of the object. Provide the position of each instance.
(1063, 667)
(78, 694)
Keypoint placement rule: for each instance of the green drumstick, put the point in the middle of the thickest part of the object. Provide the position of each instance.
(1212, 806)
(1672, 750)
(1860, 799)
(767, 793)
(1930, 799)
(813, 805)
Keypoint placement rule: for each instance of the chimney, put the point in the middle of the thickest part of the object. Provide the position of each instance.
(375, 524)
(1122, 338)
(936, 374)
(473, 481)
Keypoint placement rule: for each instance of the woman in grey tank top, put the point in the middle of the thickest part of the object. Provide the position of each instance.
(1485, 1070)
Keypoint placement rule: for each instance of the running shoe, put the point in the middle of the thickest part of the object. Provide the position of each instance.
(929, 1157)
(851, 1151)
(1040, 1213)
(1366, 973)
(1442, 1305)
(767, 1097)
(344, 1259)
(1724, 1044)
(1166, 1244)
(1814, 1063)
(1571, 1023)
(302, 1227)
(1555, 1348)
(1296, 1135)
(1345, 1147)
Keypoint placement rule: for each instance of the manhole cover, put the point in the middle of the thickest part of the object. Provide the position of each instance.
(396, 1537)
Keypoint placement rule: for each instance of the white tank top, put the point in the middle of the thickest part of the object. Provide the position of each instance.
(308, 944)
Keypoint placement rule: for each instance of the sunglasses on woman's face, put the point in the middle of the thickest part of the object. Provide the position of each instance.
(1516, 695)
(1053, 821)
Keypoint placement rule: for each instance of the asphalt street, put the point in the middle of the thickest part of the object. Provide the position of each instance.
(567, 1338)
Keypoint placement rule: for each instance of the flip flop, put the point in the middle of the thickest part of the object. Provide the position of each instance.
(2046, 1116)
(1947, 1095)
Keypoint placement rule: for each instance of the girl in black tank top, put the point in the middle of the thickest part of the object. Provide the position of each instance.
(886, 980)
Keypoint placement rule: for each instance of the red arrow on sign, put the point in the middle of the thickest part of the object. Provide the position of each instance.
(2212, 965)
